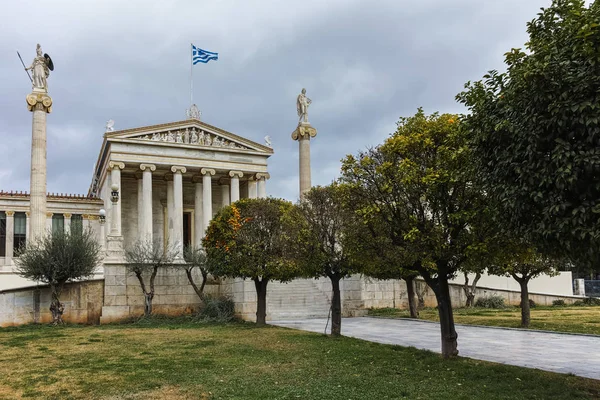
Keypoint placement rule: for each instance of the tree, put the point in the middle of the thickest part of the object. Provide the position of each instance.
(56, 259)
(370, 244)
(255, 239)
(420, 183)
(195, 257)
(148, 257)
(535, 130)
(524, 263)
(325, 248)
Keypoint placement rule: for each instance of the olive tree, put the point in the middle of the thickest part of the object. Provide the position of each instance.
(255, 239)
(144, 258)
(58, 258)
(195, 258)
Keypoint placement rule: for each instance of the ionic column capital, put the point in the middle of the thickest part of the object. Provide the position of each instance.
(208, 171)
(10, 213)
(39, 101)
(234, 174)
(116, 164)
(262, 175)
(150, 167)
(27, 214)
(67, 215)
(49, 215)
(178, 169)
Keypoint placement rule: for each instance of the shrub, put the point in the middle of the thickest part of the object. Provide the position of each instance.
(490, 302)
(588, 301)
(531, 304)
(218, 309)
(559, 303)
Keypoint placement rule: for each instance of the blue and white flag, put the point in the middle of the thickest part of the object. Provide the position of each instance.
(202, 56)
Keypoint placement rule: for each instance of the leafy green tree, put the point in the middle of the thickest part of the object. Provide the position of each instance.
(255, 239)
(144, 259)
(371, 246)
(325, 248)
(419, 183)
(523, 263)
(56, 259)
(536, 131)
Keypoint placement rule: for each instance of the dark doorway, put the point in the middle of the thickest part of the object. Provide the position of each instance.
(187, 229)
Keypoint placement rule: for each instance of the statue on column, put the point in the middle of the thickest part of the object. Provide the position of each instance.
(302, 103)
(40, 67)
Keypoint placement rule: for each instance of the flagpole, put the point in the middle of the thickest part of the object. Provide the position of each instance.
(191, 78)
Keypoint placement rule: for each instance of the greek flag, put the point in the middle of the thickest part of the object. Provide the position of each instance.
(202, 56)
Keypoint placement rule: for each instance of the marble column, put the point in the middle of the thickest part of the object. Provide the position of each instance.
(139, 181)
(115, 179)
(49, 222)
(262, 184)
(207, 174)
(40, 104)
(67, 217)
(224, 193)
(170, 236)
(235, 185)
(102, 234)
(302, 134)
(10, 234)
(178, 172)
(198, 222)
(252, 188)
(27, 228)
(146, 214)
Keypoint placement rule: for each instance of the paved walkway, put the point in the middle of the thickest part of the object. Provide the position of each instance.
(576, 354)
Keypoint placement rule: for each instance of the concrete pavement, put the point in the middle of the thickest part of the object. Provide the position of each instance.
(564, 353)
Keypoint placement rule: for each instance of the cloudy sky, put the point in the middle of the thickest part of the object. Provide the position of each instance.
(364, 64)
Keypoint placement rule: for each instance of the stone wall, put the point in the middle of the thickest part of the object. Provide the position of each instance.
(123, 297)
(392, 293)
(82, 300)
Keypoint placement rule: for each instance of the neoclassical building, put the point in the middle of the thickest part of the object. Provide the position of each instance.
(162, 182)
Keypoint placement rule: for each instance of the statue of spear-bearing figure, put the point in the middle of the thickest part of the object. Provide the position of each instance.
(41, 67)
(302, 104)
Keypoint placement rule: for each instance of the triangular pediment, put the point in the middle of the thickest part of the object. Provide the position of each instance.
(187, 133)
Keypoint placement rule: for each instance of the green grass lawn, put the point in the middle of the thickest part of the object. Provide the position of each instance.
(572, 319)
(181, 359)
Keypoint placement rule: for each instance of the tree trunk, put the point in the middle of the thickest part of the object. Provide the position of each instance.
(56, 307)
(336, 306)
(470, 290)
(410, 291)
(261, 301)
(525, 311)
(148, 304)
(199, 290)
(449, 335)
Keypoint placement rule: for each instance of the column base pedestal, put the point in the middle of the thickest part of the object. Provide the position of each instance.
(114, 248)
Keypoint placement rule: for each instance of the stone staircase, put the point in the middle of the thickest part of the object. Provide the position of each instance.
(298, 299)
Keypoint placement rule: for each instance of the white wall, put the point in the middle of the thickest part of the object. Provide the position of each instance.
(561, 284)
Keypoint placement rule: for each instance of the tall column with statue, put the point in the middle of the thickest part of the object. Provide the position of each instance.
(302, 134)
(40, 104)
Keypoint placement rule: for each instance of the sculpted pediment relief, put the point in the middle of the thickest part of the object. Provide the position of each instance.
(192, 136)
(189, 134)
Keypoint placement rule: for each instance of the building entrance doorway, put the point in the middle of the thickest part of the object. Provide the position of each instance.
(187, 229)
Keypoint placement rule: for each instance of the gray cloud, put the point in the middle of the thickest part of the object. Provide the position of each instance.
(364, 64)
